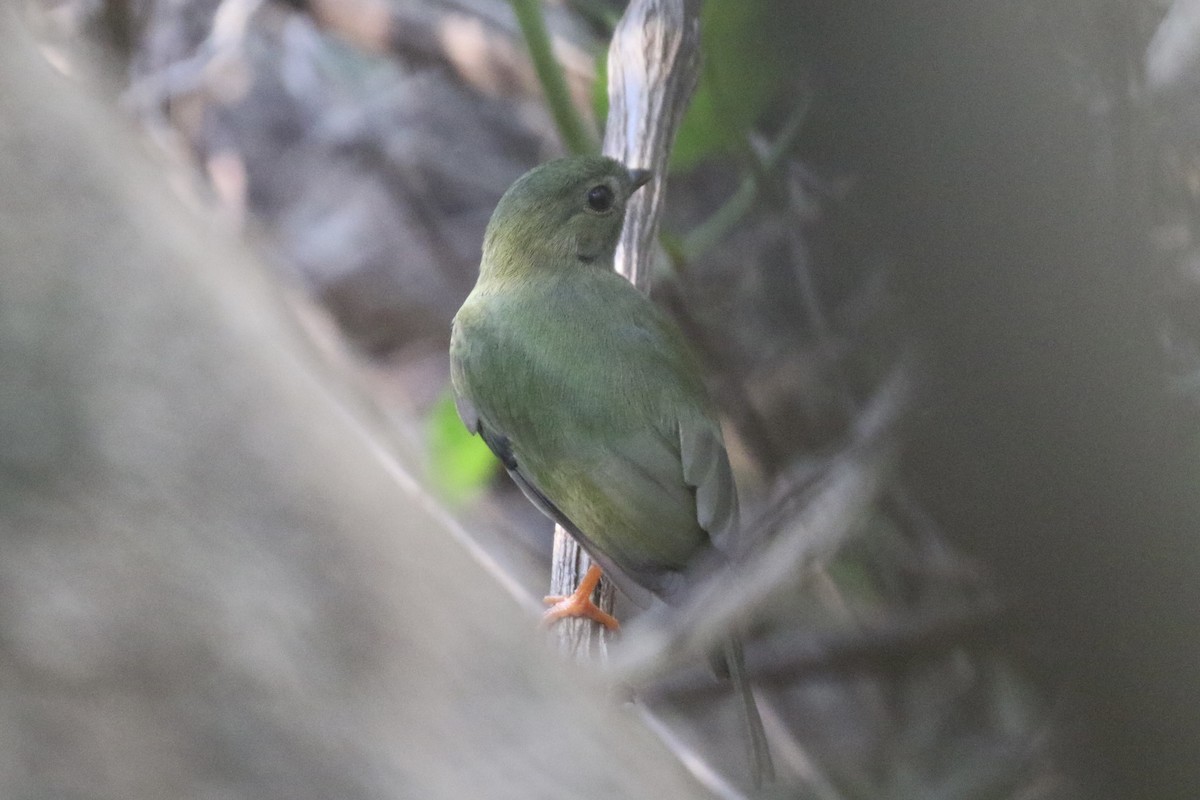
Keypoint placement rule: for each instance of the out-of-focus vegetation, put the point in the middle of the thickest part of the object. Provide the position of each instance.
(220, 577)
(460, 463)
(996, 201)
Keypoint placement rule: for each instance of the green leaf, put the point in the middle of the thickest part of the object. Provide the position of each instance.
(460, 464)
(747, 56)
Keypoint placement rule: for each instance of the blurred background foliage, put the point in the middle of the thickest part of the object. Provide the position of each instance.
(857, 190)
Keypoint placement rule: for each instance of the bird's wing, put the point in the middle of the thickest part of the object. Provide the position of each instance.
(640, 588)
(706, 469)
(466, 411)
(643, 497)
(501, 446)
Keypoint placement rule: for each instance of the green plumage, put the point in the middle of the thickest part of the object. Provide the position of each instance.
(585, 389)
(590, 396)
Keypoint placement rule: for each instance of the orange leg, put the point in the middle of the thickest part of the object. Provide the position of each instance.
(580, 603)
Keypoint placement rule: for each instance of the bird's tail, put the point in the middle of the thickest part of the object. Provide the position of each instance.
(763, 769)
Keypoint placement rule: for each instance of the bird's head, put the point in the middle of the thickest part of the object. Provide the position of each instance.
(563, 213)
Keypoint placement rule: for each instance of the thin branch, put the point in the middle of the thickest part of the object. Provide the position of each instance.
(702, 238)
(578, 638)
(571, 127)
(653, 63)
(884, 647)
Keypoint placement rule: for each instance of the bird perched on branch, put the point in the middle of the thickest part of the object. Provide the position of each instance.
(590, 396)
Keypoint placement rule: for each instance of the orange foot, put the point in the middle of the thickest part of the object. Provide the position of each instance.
(580, 603)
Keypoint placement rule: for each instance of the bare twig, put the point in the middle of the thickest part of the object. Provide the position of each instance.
(578, 637)
(652, 68)
(653, 65)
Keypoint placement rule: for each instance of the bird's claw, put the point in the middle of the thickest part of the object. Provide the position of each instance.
(579, 604)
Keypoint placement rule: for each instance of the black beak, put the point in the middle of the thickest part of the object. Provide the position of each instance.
(640, 177)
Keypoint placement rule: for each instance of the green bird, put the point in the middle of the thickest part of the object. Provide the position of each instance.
(590, 396)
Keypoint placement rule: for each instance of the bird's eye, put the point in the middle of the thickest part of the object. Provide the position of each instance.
(600, 198)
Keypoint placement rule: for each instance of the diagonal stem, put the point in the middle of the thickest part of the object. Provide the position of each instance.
(571, 127)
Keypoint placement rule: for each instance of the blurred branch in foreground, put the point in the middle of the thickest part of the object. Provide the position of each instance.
(214, 582)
